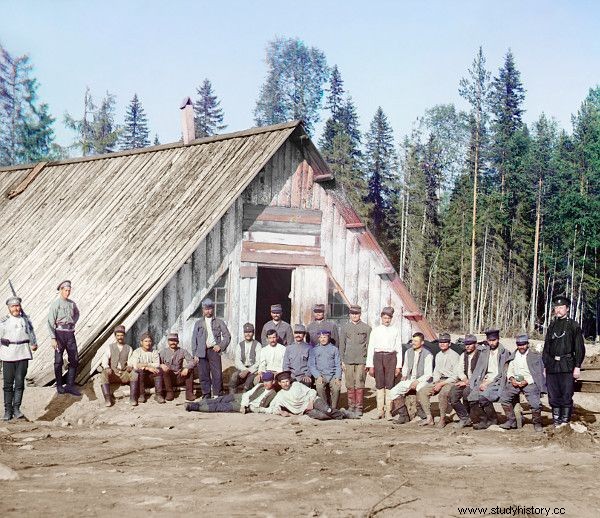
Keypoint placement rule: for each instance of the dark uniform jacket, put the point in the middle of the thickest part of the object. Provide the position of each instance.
(354, 342)
(285, 336)
(220, 332)
(563, 348)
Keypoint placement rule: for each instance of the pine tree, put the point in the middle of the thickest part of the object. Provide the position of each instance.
(208, 112)
(106, 132)
(335, 92)
(293, 88)
(135, 132)
(83, 127)
(156, 141)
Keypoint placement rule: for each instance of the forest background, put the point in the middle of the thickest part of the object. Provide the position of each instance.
(485, 216)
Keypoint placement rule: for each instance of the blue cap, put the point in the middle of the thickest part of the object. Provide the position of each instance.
(267, 376)
(208, 303)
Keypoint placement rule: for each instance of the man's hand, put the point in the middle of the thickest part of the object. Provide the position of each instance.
(284, 413)
(371, 371)
(164, 367)
(437, 387)
(34, 347)
(54, 344)
(413, 385)
(129, 368)
(337, 382)
(310, 405)
(217, 349)
(153, 370)
(242, 410)
(244, 374)
(483, 386)
(515, 383)
(305, 379)
(461, 383)
(109, 371)
(184, 372)
(523, 384)
(396, 372)
(320, 380)
(403, 378)
(576, 372)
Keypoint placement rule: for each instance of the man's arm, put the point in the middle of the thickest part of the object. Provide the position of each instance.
(225, 336)
(338, 364)
(289, 335)
(335, 334)
(237, 358)
(312, 362)
(75, 313)
(427, 369)
(52, 315)
(342, 343)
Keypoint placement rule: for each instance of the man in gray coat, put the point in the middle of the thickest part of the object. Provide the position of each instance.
(488, 380)
(525, 375)
(210, 338)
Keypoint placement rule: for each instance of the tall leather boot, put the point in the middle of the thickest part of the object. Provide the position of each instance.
(189, 388)
(478, 417)
(359, 398)
(490, 413)
(134, 390)
(537, 420)
(400, 410)
(8, 405)
(106, 394)
(380, 403)
(556, 416)
(388, 405)
(351, 399)
(17, 398)
(58, 375)
(168, 382)
(511, 420)
(142, 387)
(158, 389)
(70, 387)
(566, 413)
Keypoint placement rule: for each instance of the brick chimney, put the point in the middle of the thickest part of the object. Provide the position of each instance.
(187, 120)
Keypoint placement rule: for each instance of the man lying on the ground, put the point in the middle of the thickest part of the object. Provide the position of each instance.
(296, 399)
(255, 400)
(177, 367)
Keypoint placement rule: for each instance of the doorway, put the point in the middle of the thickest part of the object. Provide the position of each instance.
(273, 286)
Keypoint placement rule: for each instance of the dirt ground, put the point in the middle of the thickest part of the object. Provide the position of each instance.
(81, 459)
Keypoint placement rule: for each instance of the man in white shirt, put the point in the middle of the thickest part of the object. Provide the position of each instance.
(461, 388)
(271, 355)
(146, 369)
(417, 372)
(525, 375)
(384, 360)
(246, 359)
(444, 376)
(116, 367)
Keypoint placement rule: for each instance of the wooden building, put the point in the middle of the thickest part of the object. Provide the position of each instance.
(249, 218)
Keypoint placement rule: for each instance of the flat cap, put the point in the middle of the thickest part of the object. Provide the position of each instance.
(324, 332)
(119, 329)
(173, 337)
(267, 376)
(248, 328)
(561, 300)
(470, 339)
(13, 301)
(285, 375)
(355, 310)
(63, 284)
(299, 328)
(208, 303)
(444, 338)
(492, 334)
(319, 308)
(145, 335)
(388, 310)
(276, 308)
(522, 339)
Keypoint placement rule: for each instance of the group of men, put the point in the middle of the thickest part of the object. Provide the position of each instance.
(299, 370)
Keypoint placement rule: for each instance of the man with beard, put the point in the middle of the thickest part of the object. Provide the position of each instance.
(461, 388)
(116, 365)
(281, 327)
(146, 369)
(246, 360)
(296, 357)
(177, 367)
(319, 323)
(271, 355)
(488, 380)
(563, 355)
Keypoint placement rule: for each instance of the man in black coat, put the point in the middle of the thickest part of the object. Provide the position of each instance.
(563, 354)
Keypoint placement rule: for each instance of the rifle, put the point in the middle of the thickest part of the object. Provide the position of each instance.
(12, 288)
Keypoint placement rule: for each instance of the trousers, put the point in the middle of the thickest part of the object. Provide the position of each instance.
(532, 393)
(561, 386)
(210, 373)
(385, 369)
(355, 375)
(65, 340)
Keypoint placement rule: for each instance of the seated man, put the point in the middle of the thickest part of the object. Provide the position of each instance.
(255, 400)
(525, 375)
(116, 364)
(461, 389)
(245, 359)
(177, 367)
(297, 399)
(488, 380)
(296, 357)
(145, 362)
(271, 356)
(443, 380)
(417, 372)
(325, 366)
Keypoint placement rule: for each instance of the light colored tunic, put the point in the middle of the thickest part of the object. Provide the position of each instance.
(519, 367)
(385, 339)
(16, 329)
(210, 337)
(492, 369)
(296, 399)
(254, 405)
(271, 358)
(62, 312)
(139, 356)
(445, 366)
(459, 373)
(248, 365)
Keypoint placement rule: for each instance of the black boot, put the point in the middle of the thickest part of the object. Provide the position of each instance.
(565, 414)
(537, 420)
(511, 421)
(134, 389)
(58, 375)
(8, 405)
(556, 416)
(70, 387)
(490, 413)
(106, 394)
(478, 417)
(17, 398)
(192, 407)
(158, 389)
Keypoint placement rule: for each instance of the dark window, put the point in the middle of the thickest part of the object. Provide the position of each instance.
(338, 310)
(219, 295)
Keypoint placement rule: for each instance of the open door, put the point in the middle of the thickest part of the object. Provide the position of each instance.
(273, 286)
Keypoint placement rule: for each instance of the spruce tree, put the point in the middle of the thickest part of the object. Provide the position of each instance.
(208, 112)
(83, 128)
(135, 132)
(105, 131)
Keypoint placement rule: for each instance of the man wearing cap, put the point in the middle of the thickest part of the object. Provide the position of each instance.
(488, 380)
(417, 372)
(271, 355)
(525, 375)
(145, 362)
(325, 366)
(296, 357)
(255, 400)
(563, 354)
(319, 323)
(283, 329)
(245, 359)
(17, 340)
(444, 376)
(116, 364)
(177, 367)
(62, 317)
(210, 338)
(354, 342)
(461, 388)
(384, 360)
(297, 399)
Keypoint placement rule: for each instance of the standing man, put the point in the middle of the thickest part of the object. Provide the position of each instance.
(296, 357)
(283, 329)
(62, 318)
(525, 375)
(319, 323)
(271, 356)
(563, 355)
(488, 380)
(326, 368)
(384, 360)
(17, 340)
(444, 376)
(354, 342)
(210, 338)
(417, 372)
(116, 364)
(177, 367)
(460, 391)
(245, 359)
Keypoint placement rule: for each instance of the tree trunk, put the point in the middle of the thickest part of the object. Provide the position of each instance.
(473, 234)
(534, 282)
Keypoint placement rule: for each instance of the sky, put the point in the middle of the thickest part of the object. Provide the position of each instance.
(405, 56)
